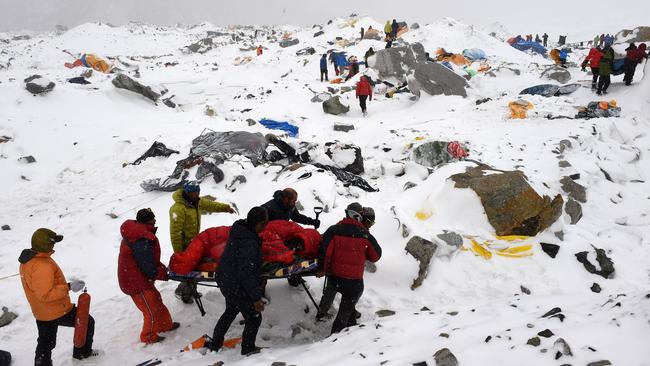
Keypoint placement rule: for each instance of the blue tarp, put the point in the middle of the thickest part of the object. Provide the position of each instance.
(339, 59)
(474, 54)
(277, 125)
(550, 90)
(529, 45)
(619, 66)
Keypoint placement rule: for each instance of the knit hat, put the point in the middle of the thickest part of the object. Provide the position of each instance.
(145, 215)
(368, 214)
(43, 239)
(354, 211)
(192, 186)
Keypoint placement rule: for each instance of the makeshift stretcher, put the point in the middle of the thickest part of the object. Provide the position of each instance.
(206, 275)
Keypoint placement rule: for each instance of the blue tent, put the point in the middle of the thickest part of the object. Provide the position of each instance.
(550, 90)
(291, 130)
(529, 45)
(474, 54)
(619, 66)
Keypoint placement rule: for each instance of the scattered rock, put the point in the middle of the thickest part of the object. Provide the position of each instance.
(289, 42)
(321, 97)
(345, 156)
(236, 182)
(319, 33)
(451, 238)
(422, 250)
(306, 51)
(563, 347)
(596, 288)
(6, 317)
(444, 357)
(530, 325)
(604, 262)
(36, 84)
(201, 46)
(6, 227)
(251, 122)
(436, 79)
(422, 363)
(432, 154)
(546, 333)
(525, 290)
(452, 313)
(574, 210)
(122, 81)
(488, 339)
(384, 313)
(600, 363)
(278, 363)
(640, 34)
(415, 26)
(552, 312)
(334, 106)
(574, 190)
(4, 139)
(409, 185)
(27, 159)
(559, 235)
(511, 204)
(209, 111)
(481, 101)
(550, 249)
(443, 335)
(535, 342)
(557, 73)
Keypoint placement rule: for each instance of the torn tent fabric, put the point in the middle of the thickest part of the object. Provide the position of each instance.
(290, 129)
(519, 109)
(156, 149)
(550, 90)
(348, 178)
(95, 62)
(600, 109)
(224, 145)
(205, 250)
(504, 246)
(474, 54)
(530, 45)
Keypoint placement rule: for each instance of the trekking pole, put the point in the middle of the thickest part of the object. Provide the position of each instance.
(310, 296)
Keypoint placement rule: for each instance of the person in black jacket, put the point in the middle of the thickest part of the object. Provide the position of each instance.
(283, 207)
(240, 280)
(394, 29)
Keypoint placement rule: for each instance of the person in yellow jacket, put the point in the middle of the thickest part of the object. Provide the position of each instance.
(185, 224)
(47, 290)
(388, 28)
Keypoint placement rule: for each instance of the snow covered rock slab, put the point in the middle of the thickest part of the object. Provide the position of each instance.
(122, 81)
(345, 156)
(512, 206)
(557, 73)
(436, 79)
(398, 61)
(36, 84)
(334, 106)
(432, 154)
(422, 250)
(289, 42)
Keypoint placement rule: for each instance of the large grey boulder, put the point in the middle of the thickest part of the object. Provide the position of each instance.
(422, 250)
(122, 81)
(398, 61)
(605, 267)
(444, 357)
(36, 84)
(289, 42)
(202, 46)
(6, 317)
(334, 106)
(435, 79)
(638, 34)
(432, 154)
(573, 189)
(557, 73)
(512, 206)
(574, 210)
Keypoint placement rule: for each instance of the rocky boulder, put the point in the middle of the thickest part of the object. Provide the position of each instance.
(512, 206)
(122, 81)
(334, 106)
(306, 51)
(557, 73)
(345, 156)
(432, 153)
(605, 267)
(435, 79)
(444, 357)
(638, 34)
(36, 84)
(289, 42)
(422, 250)
(398, 61)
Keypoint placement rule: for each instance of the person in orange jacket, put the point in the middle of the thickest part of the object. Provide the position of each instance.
(47, 290)
(138, 267)
(364, 92)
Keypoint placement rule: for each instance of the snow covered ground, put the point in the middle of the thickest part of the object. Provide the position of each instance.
(80, 135)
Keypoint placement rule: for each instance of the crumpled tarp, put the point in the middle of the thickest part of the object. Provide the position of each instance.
(156, 149)
(618, 66)
(291, 130)
(519, 108)
(530, 45)
(348, 178)
(550, 90)
(224, 145)
(599, 110)
(169, 184)
(474, 54)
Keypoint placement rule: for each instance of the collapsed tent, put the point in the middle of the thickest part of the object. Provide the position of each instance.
(601, 109)
(156, 149)
(290, 129)
(347, 178)
(618, 66)
(339, 59)
(550, 90)
(282, 242)
(530, 46)
(91, 61)
(402, 28)
(474, 54)
(519, 108)
(372, 34)
(457, 59)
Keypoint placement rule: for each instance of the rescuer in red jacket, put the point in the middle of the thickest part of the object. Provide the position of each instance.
(364, 92)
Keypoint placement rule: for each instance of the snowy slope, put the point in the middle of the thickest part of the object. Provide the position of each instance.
(81, 136)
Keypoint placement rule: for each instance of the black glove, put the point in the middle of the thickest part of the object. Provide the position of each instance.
(316, 223)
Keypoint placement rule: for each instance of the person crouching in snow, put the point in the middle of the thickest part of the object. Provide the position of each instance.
(364, 92)
(138, 268)
(47, 292)
(342, 256)
(239, 277)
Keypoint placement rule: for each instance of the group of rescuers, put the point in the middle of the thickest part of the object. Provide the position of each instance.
(344, 249)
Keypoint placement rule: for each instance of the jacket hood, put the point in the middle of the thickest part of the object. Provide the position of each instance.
(277, 195)
(26, 255)
(177, 196)
(240, 230)
(642, 46)
(133, 230)
(351, 221)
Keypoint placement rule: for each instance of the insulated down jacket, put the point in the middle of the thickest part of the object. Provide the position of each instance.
(593, 58)
(364, 87)
(45, 286)
(278, 211)
(138, 265)
(240, 272)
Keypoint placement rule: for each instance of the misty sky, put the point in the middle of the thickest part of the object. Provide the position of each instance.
(577, 18)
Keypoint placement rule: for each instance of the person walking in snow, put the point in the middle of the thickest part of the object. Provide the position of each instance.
(388, 28)
(185, 223)
(367, 55)
(394, 28)
(362, 32)
(364, 93)
(634, 56)
(605, 69)
(342, 256)
(564, 53)
(323, 67)
(138, 267)
(259, 50)
(47, 292)
(545, 39)
(239, 277)
(593, 59)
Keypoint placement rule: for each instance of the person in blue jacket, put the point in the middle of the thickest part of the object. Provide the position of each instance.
(323, 67)
(564, 53)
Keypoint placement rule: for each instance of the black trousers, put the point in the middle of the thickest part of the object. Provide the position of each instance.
(329, 293)
(323, 72)
(630, 68)
(47, 331)
(594, 80)
(362, 102)
(234, 306)
(603, 83)
(351, 291)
